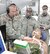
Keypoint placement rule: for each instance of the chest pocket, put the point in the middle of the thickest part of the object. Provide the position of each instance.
(24, 24)
(44, 21)
(4, 22)
(9, 23)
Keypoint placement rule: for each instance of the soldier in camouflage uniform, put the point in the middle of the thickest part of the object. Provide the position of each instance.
(28, 23)
(10, 19)
(44, 21)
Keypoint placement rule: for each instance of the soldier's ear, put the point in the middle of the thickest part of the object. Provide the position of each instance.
(7, 10)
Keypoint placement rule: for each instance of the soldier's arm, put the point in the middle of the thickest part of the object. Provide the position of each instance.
(47, 25)
(11, 33)
(37, 25)
(17, 26)
(2, 20)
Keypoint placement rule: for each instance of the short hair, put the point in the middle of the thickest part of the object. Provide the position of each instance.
(44, 7)
(9, 6)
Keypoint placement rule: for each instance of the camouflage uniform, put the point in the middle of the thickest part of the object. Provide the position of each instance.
(45, 21)
(12, 25)
(27, 25)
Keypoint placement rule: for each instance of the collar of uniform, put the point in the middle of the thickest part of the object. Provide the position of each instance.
(27, 17)
(9, 18)
(44, 16)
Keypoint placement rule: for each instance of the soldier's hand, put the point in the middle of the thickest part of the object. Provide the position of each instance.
(45, 27)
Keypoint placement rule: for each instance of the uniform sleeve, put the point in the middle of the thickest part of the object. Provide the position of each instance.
(36, 24)
(17, 27)
(2, 20)
(11, 33)
(39, 20)
(46, 25)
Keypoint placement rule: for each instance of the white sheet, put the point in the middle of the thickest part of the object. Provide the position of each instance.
(8, 52)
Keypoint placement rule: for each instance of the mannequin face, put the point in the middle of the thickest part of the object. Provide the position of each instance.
(37, 33)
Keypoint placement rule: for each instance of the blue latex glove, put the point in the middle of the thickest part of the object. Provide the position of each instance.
(44, 36)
